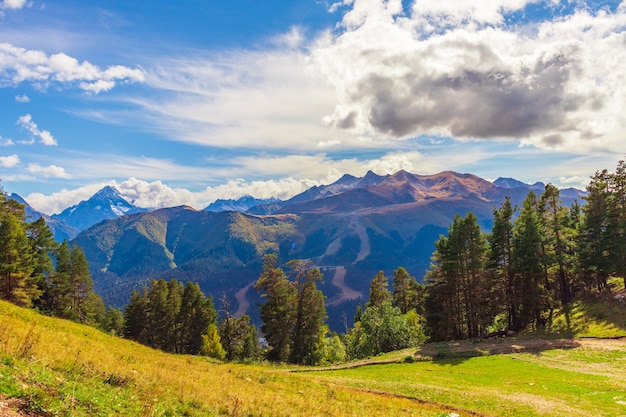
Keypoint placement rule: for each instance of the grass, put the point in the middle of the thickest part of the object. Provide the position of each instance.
(61, 368)
(55, 367)
(561, 382)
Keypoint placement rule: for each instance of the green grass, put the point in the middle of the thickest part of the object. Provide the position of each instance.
(562, 382)
(56, 367)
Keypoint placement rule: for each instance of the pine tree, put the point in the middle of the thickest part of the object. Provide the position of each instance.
(379, 290)
(16, 260)
(42, 244)
(592, 242)
(278, 312)
(559, 238)
(136, 317)
(239, 338)
(195, 314)
(499, 263)
(309, 329)
(458, 283)
(528, 264)
(403, 286)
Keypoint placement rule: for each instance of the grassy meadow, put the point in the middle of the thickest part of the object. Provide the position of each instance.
(51, 367)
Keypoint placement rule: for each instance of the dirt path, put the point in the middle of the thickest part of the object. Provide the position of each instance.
(346, 293)
(361, 232)
(242, 300)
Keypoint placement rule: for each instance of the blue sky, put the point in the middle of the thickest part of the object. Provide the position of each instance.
(186, 102)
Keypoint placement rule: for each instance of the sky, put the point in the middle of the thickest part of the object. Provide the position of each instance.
(189, 101)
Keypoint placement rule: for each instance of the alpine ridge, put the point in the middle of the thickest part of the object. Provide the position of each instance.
(350, 229)
(103, 205)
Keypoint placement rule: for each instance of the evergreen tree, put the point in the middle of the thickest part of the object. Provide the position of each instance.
(528, 265)
(408, 294)
(237, 335)
(309, 329)
(167, 317)
(458, 299)
(560, 238)
(379, 290)
(42, 244)
(16, 261)
(593, 248)
(499, 263)
(135, 317)
(278, 312)
(195, 314)
(113, 322)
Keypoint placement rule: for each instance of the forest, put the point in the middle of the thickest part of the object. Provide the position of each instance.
(536, 258)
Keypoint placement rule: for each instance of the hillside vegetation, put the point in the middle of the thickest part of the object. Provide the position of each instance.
(57, 367)
(51, 367)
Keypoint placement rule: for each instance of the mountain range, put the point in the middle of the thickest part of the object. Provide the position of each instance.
(350, 229)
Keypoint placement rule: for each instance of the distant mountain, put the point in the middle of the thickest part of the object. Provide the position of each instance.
(566, 194)
(104, 205)
(350, 229)
(513, 183)
(59, 229)
(243, 204)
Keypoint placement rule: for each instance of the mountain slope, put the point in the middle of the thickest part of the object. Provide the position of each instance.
(105, 204)
(350, 229)
(243, 204)
(59, 229)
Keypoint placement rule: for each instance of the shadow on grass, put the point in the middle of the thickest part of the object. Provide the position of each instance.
(456, 352)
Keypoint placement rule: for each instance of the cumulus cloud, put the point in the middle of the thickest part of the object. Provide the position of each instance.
(6, 142)
(12, 4)
(22, 98)
(26, 122)
(154, 194)
(9, 161)
(18, 65)
(51, 171)
(391, 72)
(457, 69)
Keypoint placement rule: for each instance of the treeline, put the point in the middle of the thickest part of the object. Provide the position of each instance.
(294, 316)
(181, 319)
(534, 260)
(37, 272)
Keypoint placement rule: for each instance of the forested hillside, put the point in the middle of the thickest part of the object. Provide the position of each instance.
(536, 260)
(350, 230)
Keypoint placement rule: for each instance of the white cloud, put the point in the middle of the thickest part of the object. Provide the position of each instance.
(6, 142)
(26, 122)
(154, 194)
(12, 4)
(22, 98)
(59, 201)
(390, 73)
(268, 99)
(436, 14)
(9, 161)
(18, 65)
(454, 68)
(51, 171)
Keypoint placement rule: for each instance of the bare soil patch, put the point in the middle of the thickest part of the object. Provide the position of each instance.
(483, 347)
(14, 407)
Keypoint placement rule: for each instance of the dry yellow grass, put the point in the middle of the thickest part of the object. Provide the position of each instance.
(51, 357)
